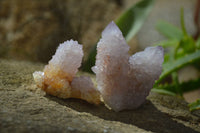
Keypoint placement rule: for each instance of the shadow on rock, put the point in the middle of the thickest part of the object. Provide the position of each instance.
(147, 117)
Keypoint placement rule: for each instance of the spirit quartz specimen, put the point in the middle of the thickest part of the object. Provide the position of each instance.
(125, 81)
(58, 78)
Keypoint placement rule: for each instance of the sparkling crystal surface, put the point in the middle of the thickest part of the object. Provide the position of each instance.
(59, 78)
(124, 81)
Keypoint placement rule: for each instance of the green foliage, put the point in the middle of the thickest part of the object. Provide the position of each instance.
(183, 50)
(195, 105)
(163, 91)
(198, 43)
(174, 65)
(168, 30)
(129, 23)
(185, 86)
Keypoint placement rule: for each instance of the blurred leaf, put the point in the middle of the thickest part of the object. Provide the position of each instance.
(163, 91)
(176, 83)
(184, 87)
(172, 66)
(169, 30)
(198, 43)
(187, 45)
(183, 22)
(90, 62)
(129, 23)
(195, 105)
(169, 43)
(190, 85)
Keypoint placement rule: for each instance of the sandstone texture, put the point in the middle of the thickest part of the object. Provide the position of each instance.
(25, 108)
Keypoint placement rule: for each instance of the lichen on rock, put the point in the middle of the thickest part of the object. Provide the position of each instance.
(125, 81)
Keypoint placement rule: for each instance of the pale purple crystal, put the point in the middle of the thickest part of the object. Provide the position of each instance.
(125, 81)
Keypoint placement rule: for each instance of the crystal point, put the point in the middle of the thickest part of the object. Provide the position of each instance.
(125, 81)
(59, 79)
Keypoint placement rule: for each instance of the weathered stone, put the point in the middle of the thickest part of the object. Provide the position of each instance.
(24, 108)
(33, 29)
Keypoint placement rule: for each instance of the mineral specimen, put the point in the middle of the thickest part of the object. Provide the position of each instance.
(125, 81)
(59, 79)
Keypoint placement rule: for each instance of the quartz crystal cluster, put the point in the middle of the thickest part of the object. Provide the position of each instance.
(59, 79)
(123, 81)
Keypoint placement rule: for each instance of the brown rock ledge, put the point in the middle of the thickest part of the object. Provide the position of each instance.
(24, 108)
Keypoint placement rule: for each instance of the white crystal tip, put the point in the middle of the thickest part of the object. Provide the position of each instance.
(111, 29)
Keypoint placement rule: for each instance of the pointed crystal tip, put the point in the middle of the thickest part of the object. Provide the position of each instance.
(111, 29)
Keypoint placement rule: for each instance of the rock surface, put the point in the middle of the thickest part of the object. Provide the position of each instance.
(24, 108)
(39, 26)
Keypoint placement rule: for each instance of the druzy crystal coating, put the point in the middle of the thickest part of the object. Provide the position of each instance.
(58, 78)
(123, 81)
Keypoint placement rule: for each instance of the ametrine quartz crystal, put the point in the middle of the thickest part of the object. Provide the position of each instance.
(67, 59)
(59, 79)
(125, 81)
